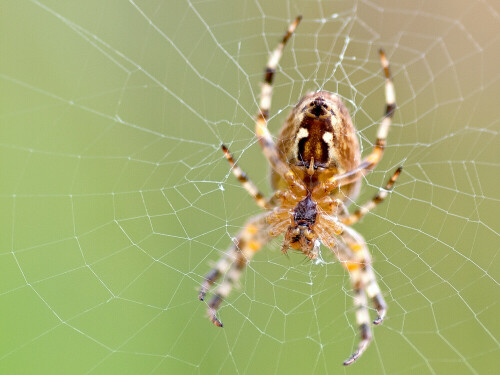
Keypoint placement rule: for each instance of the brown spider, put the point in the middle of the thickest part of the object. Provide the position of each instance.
(316, 170)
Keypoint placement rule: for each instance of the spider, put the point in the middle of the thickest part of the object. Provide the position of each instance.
(316, 170)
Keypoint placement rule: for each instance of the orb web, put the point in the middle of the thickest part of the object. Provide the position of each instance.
(116, 196)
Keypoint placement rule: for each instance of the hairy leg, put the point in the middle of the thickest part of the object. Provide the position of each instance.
(231, 265)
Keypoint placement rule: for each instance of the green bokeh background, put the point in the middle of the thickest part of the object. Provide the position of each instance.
(115, 197)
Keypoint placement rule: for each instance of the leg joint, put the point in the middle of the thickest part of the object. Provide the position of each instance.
(268, 77)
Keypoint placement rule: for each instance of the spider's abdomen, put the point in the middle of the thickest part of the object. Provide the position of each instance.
(318, 140)
(314, 142)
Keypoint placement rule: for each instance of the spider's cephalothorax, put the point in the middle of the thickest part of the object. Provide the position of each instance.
(300, 235)
(316, 168)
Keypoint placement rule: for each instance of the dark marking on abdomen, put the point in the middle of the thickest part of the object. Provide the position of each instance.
(314, 146)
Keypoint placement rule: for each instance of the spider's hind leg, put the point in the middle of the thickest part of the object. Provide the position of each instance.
(374, 157)
(261, 130)
(370, 161)
(250, 240)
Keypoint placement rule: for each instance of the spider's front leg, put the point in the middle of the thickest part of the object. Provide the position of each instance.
(364, 283)
(249, 240)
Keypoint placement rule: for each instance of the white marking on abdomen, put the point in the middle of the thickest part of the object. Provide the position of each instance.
(302, 133)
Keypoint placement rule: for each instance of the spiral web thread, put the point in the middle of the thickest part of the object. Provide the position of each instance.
(116, 196)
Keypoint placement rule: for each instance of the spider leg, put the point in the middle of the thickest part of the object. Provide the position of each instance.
(250, 240)
(375, 156)
(362, 319)
(366, 277)
(263, 135)
(377, 199)
(390, 100)
(245, 181)
(356, 259)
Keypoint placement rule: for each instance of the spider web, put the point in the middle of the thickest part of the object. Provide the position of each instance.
(115, 196)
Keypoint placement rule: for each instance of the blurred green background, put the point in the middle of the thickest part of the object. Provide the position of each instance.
(115, 196)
